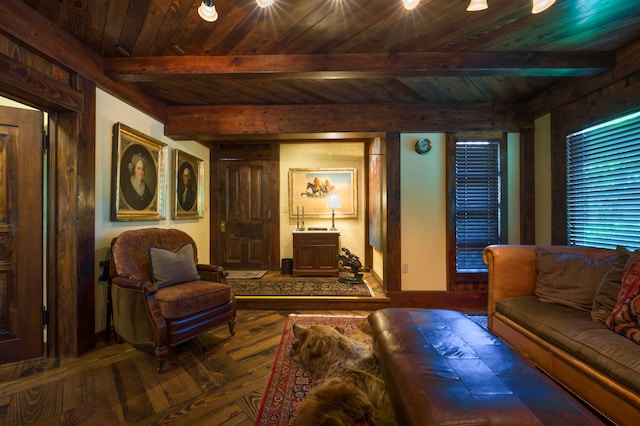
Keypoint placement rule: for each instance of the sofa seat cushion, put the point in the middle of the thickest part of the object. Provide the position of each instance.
(574, 331)
(184, 299)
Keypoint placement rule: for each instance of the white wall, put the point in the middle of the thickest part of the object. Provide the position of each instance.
(110, 110)
(423, 213)
(543, 179)
(329, 155)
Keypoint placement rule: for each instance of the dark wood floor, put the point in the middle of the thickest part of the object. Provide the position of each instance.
(214, 379)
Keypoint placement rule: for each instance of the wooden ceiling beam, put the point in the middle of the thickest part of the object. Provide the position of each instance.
(199, 122)
(363, 65)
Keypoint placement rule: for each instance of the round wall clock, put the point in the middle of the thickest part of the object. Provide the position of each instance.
(423, 146)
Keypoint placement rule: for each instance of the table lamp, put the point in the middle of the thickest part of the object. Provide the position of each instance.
(333, 204)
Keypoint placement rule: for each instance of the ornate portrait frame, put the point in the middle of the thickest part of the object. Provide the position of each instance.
(134, 195)
(189, 203)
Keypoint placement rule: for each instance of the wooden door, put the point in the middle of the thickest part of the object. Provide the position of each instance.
(245, 214)
(21, 234)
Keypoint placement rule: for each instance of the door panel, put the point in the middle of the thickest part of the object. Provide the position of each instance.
(245, 216)
(21, 234)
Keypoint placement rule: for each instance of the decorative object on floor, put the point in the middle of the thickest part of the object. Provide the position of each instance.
(314, 287)
(288, 384)
(246, 275)
(350, 260)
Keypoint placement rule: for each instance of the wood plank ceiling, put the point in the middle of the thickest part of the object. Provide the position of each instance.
(328, 52)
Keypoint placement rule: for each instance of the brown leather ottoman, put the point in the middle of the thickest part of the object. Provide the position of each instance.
(442, 368)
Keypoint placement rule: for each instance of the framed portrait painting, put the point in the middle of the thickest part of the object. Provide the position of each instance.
(309, 191)
(188, 186)
(137, 176)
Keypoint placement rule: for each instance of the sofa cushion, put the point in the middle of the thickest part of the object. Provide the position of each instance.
(573, 331)
(178, 301)
(606, 296)
(625, 315)
(173, 267)
(569, 279)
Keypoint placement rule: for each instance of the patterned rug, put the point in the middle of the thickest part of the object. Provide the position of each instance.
(288, 384)
(302, 287)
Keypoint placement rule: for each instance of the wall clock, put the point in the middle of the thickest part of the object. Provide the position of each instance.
(423, 146)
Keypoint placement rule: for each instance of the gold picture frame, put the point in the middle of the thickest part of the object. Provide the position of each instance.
(188, 186)
(309, 191)
(137, 176)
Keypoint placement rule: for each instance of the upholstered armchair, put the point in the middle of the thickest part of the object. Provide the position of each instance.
(160, 295)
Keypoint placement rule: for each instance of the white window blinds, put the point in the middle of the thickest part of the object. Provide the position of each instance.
(477, 202)
(603, 184)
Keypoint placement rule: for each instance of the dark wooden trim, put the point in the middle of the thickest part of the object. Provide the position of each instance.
(194, 122)
(560, 94)
(391, 240)
(467, 300)
(85, 198)
(66, 229)
(317, 303)
(527, 188)
(35, 88)
(363, 65)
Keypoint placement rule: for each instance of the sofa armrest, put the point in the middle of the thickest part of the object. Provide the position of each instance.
(124, 282)
(512, 272)
(212, 273)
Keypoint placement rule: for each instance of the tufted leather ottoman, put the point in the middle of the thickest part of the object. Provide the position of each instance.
(442, 368)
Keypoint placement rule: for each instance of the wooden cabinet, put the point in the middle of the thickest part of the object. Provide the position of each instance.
(315, 253)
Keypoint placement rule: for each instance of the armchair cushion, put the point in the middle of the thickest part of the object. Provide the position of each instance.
(173, 267)
(189, 298)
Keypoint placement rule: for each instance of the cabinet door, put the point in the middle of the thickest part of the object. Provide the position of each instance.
(305, 258)
(326, 258)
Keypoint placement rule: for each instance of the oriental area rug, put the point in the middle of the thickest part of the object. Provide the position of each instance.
(288, 384)
(303, 287)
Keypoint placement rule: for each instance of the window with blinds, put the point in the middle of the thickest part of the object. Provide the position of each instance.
(603, 184)
(477, 202)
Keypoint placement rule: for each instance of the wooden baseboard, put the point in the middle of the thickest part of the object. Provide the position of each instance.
(460, 301)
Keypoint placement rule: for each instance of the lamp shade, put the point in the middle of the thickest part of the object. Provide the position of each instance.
(333, 202)
(475, 5)
(207, 11)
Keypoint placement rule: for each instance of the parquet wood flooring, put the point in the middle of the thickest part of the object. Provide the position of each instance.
(215, 379)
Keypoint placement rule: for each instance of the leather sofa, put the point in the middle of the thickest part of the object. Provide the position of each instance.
(596, 364)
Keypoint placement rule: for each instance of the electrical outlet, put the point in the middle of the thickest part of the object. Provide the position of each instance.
(405, 268)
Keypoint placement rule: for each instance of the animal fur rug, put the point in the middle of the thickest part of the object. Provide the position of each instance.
(348, 388)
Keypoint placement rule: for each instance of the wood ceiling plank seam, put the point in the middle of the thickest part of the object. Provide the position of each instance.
(223, 29)
(116, 13)
(226, 44)
(191, 26)
(150, 27)
(172, 22)
(133, 22)
(96, 21)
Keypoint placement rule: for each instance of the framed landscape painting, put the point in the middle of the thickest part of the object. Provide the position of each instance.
(188, 186)
(309, 191)
(137, 176)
